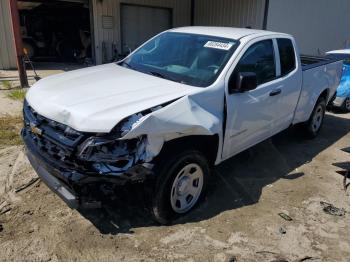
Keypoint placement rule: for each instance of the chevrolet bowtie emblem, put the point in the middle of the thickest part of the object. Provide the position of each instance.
(35, 130)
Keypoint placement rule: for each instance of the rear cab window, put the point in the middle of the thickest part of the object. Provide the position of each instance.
(287, 55)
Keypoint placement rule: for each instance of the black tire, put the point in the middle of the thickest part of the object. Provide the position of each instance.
(310, 128)
(166, 172)
(346, 105)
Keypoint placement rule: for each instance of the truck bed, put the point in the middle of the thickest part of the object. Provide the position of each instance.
(309, 62)
(319, 73)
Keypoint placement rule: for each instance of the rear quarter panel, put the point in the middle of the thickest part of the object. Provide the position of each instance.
(315, 81)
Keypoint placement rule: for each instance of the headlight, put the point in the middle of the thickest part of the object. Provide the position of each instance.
(111, 155)
(98, 149)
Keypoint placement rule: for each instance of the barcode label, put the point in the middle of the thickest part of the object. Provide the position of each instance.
(218, 45)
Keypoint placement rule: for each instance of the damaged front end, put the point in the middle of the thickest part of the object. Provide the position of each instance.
(79, 166)
(82, 167)
(109, 156)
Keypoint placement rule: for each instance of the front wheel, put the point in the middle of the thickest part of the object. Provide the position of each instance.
(314, 124)
(181, 183)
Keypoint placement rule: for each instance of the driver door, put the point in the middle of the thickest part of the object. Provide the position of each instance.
(250, 115)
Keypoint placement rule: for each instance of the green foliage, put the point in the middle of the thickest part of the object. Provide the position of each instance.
(17, 94)
(6, 84)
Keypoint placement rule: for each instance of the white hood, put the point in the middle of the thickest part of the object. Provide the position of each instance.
(95, 99)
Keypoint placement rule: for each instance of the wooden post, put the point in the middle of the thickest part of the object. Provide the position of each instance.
(18, 44)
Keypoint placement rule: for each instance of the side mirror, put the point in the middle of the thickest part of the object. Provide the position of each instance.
(244, 81)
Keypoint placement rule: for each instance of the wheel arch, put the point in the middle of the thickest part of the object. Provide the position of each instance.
(307, 103)
(324, 94)
(208, 145)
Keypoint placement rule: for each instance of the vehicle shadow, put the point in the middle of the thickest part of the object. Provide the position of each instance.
(235, 183)
(338, 111)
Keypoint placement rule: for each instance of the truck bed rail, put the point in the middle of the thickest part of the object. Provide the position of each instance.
(309, 62)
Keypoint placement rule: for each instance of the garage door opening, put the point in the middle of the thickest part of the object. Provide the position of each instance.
(140, 23)
(56, 30)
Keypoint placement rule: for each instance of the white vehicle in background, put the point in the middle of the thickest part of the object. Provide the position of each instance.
(186, 100)
(339, 52)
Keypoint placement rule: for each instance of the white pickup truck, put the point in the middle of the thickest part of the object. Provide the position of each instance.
(184, 101)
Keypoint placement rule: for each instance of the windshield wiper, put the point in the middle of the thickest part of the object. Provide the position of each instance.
(163, 76)
(127, 65)
(167, 77)
(157, 74)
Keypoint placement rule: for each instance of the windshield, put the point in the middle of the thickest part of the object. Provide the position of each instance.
(186, 58)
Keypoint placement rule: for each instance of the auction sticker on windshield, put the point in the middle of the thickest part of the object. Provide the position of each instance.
(218, 45)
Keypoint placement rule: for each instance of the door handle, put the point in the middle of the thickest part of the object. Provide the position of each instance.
(275, 92)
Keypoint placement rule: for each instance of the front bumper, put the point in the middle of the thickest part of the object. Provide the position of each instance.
(339, 101)
(53, 183)
(76, 188)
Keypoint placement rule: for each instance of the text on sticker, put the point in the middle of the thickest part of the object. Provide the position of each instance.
(218, 45)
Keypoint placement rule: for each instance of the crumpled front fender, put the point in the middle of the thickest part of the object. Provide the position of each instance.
(183, 117)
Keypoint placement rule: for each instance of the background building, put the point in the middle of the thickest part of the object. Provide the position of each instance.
(67, 30)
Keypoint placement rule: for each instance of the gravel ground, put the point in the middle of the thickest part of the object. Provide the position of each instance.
(238, 220)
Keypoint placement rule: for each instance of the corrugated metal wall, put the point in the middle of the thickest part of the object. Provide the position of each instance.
(7, 48)
(239, 13)
(236, 13)
(318, 25)
(181, 17)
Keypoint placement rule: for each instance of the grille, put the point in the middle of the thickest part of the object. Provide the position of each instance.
(57, 140)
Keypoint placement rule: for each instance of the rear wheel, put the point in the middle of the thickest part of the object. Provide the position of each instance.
(181, 183)
(346, 105)
(314, 124)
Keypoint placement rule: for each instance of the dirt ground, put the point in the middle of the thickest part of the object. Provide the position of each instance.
(238, 221)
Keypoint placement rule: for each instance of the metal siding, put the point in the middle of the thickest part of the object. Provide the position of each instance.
(318, 25)
(7, 48)
(180, 14)
(237, 13)
(153, 19)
